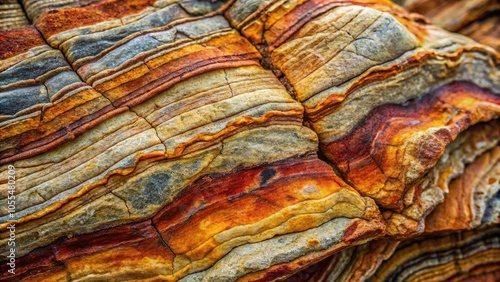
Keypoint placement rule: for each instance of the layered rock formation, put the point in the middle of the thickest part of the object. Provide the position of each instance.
(385, 121)
(11, 15)
(478, 19)
(216, 141)
(443, 256)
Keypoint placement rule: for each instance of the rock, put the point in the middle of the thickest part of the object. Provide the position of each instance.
(477, 19)
(11, 15)
(383, 136)
(461, 256)
(240, 140)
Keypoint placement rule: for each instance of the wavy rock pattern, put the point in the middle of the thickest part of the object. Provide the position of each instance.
(11, 15)
(178, 140)
(443, 256)
(383, 136)
(477, 19)
(467, 255)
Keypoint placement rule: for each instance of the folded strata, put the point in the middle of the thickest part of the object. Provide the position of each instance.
(385, 92)
(477, 19)
(158, 138)
(179, 140)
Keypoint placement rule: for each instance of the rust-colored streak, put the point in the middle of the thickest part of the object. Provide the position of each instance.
(217, 203)
(357, 231)
(56, 21)
(148, 91)
(360, 230)
(330, 104)
(274, 273)
(367, 155)
(226, 200)
(18, 41)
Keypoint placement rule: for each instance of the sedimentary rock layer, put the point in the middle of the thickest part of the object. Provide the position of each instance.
(462, 256)
(472, 255)
(34, 8)
(472, 196)
(452, 15)
(162, 121)
(485, 31)
(271, 201)
(477, 19)
(12, 15)
(386, 120)
(353, 264)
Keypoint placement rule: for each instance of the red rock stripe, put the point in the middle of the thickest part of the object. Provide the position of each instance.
(211, 193)
(140, 236)
(363, 152)
(29, 145)
(238, 191)
(224, 51)
(56, 21)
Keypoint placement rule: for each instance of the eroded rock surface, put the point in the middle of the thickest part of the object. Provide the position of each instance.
(478, 19)
(242, 140)
(443, 256)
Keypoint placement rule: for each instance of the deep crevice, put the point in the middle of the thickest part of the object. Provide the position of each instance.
(336, 170)
(21, 4)
(266, 63)
(163, 242)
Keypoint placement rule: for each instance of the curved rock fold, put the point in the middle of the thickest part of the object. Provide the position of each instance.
(188, 140)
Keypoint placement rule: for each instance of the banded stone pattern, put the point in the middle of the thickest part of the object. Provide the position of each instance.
(386, 120)
(477, 19)
(12, 15)
(171, 131)
(442, 256)
(190, 140)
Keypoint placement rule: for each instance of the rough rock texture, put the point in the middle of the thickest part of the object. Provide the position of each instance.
(385, 121)
(243, 140)
(11, 15)
(478, 19)
(444, 256)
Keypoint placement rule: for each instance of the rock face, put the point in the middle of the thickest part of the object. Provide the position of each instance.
(245, 140)
(478, 19)
(461, 256)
